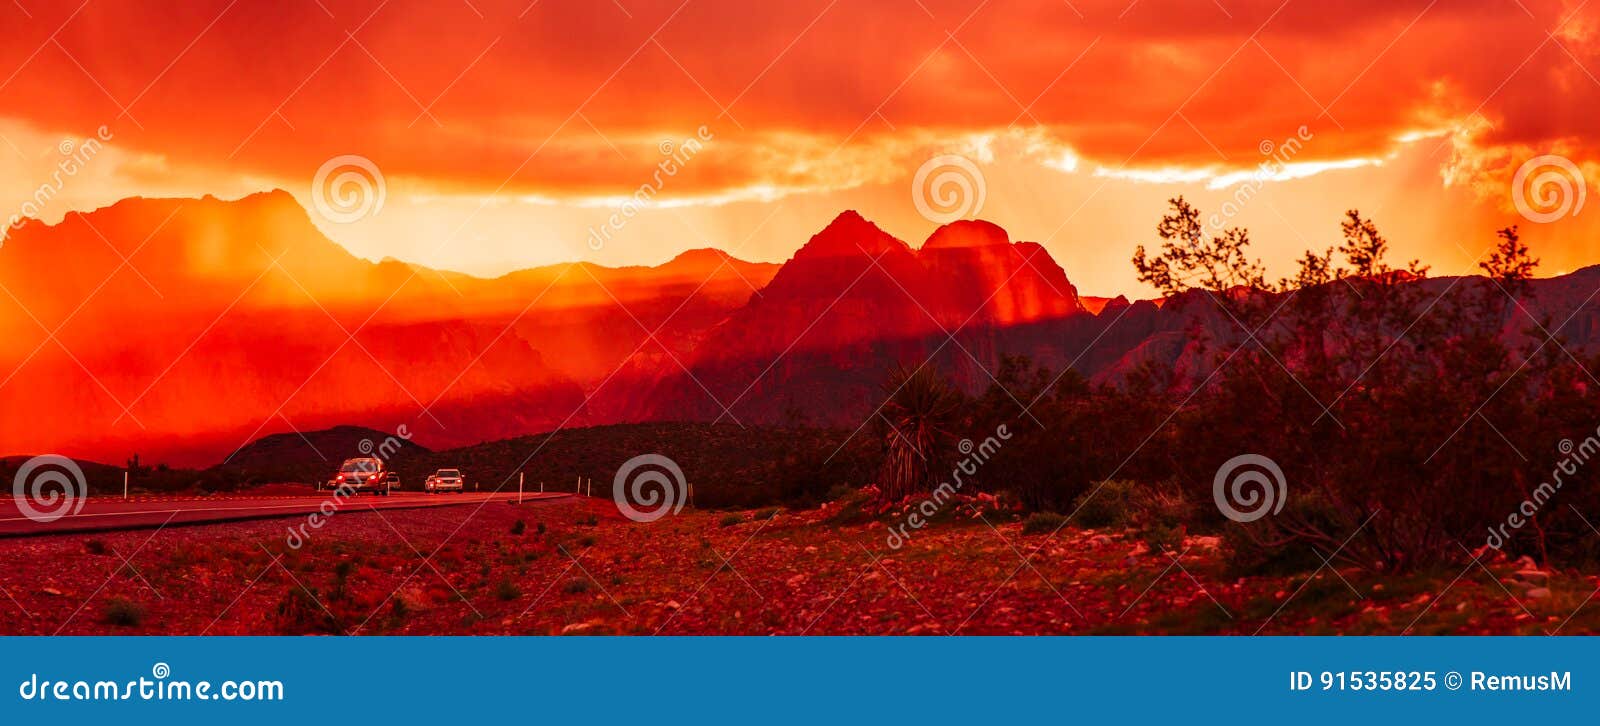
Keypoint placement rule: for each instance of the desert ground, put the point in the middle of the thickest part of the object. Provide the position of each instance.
(577, 567)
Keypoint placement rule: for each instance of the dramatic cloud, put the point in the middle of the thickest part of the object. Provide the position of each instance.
(572, 106)
(573, 99)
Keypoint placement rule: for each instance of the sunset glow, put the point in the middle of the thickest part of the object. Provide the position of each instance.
(521, 128)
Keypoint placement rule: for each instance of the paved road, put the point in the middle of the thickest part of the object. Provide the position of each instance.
(113, 513)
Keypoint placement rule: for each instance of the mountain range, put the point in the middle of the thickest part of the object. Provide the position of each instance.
(183, 329)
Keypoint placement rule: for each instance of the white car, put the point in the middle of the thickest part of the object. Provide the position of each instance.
(445, 480)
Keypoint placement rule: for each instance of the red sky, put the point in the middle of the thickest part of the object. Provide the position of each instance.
(507, 131)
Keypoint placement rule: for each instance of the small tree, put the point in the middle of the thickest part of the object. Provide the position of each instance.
(1394, 405)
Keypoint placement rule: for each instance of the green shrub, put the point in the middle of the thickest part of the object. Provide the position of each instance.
(124, 612)
(1161, 516)
(1158, 514)
(1042, 523)
(301, 612)
(1248, 550)
(1107, 505)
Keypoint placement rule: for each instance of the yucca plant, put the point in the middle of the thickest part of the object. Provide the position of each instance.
(916, 431)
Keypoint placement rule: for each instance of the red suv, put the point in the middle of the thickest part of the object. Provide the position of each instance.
(365, 474)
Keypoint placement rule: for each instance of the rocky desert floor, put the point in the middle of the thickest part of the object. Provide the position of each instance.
(580, 568)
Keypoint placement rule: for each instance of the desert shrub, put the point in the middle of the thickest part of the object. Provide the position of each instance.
(300, 612)
(124, 612)
(519, 527)
(341, 580)
(1107, 506)
(1398, 404)
(1066, 435)
(1042, 523)
(729, 520)
(576, 587)
(1249, 550)
(507, 590)
(213, 482)
(1163, 538)
(1158, 514)
(96, 547)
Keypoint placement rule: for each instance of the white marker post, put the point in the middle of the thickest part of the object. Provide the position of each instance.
(124, 484)
(519, 487)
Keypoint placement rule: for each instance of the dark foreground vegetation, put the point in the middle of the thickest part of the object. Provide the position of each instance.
(1413, 424)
